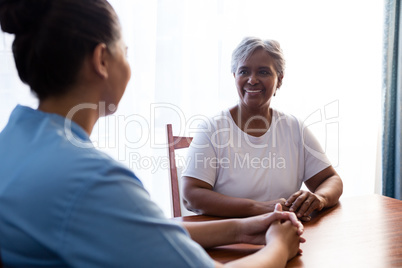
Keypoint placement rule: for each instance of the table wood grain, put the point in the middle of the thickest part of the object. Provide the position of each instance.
(361, 231)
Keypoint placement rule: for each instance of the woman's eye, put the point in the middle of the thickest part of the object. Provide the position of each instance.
(264, 72)
(243, 72)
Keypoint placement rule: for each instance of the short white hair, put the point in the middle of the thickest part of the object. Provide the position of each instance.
(250, 44)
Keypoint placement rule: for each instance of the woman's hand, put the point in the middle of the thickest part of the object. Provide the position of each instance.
(253, 230)
(282, 239)
(264, 207)
(325, 189)
(303, 203)
(284, 236)
(270, 205)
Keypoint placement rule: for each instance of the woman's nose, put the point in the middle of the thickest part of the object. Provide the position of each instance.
(252, 80)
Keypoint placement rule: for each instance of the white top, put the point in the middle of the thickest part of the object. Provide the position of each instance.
(263, 168)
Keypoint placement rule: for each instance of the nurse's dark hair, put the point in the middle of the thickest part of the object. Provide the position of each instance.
(250, 44)
(52, 38)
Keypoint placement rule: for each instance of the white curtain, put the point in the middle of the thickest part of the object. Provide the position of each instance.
(180, 50)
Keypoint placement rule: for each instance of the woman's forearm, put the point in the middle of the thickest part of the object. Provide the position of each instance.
(213, 233)
(282, 243)
(208, 202)
(282, 238)
(331, 190)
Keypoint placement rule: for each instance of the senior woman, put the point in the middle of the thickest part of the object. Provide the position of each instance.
(65, 204)
(251, 156)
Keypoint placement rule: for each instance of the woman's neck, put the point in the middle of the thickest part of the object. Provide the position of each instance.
(254, 122)
(81, 110)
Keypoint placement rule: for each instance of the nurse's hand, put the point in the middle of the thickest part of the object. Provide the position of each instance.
(303, 203)
(252, 230)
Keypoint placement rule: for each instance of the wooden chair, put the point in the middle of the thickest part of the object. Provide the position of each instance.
(175, 143)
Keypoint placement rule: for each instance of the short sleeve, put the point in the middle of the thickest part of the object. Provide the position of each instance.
(315, 159)
(202, 160)
(113, 223)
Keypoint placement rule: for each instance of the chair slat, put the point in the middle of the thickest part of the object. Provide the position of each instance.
(175, 143)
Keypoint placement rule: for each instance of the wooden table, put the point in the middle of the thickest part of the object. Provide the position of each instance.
(361, 231)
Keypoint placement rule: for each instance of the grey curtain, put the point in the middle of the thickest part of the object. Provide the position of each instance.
(392, 101)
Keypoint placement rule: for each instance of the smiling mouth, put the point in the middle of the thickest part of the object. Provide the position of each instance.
(252, 91)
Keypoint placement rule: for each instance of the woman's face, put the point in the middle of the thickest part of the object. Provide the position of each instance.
(256, 80)
(120, 73)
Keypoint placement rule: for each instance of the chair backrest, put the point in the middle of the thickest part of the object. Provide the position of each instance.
(175, 143)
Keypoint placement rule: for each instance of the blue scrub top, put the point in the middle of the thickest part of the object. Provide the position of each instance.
(65, 204)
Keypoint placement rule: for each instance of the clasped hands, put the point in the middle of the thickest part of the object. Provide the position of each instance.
(283, 226)
(303, 203)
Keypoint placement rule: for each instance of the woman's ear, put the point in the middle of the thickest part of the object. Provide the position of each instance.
(280, 77)
(99, 60)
